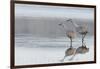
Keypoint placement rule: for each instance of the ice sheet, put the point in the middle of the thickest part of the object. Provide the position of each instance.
(36, 50)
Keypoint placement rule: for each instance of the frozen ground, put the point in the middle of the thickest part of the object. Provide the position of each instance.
(32, 50)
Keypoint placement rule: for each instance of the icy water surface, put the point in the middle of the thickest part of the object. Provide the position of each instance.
(33, 50)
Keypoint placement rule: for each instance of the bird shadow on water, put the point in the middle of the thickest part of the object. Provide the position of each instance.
(72, 52)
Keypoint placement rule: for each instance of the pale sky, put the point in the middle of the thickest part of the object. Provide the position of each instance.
(53, 11)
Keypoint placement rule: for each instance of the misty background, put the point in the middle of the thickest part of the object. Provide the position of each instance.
(42, 21)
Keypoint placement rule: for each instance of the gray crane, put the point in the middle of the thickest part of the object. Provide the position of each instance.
(70, 34)
(81, 29)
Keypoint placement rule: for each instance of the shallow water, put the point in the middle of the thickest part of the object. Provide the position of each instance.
(33, 50)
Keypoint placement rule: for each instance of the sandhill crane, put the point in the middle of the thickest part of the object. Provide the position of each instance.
(70, 34)
(80, 50)
(81, 29)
